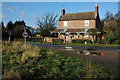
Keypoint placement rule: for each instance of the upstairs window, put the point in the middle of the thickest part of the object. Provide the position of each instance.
(86, 23)
(65, 23)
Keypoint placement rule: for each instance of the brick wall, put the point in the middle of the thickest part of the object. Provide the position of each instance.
(77, 23)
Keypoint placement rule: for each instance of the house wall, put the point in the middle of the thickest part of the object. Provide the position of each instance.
(77, 23)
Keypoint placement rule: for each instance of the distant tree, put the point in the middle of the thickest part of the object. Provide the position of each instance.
(112, 30)
(20, 23)
(108, 16)
(2, 28)
(47, 23)
(10, 25)
(111, 27)
(117, 17)
(18, 29)
(3, 33)
(9, 29)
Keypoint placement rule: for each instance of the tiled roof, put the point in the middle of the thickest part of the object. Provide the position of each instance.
(79, 16)
(57, 30)
(68, 30)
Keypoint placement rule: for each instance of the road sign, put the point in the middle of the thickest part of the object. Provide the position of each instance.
(25, 34)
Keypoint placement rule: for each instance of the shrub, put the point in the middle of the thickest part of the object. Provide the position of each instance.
(11, 74)
(30, 53)
(34, 40)
(117, 42)
(13, 47)
(80, 41)
(57, 40)
(17, 46)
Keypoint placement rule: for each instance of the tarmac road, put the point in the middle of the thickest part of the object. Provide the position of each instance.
(109, 59)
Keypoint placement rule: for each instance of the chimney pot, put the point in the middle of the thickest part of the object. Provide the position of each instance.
(96, 8)
(62, 11)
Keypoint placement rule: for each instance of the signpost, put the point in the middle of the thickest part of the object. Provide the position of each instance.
(25, 35)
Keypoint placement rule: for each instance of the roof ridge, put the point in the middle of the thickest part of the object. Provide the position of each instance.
(80, 12)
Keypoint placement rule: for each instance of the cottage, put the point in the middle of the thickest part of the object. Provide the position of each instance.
(76, 25)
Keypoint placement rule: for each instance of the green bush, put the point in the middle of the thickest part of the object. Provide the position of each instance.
(34, 40)
(57, 40)
(80, 41)
(117, 42)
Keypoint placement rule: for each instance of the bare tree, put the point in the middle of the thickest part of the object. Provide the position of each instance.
(47, 23)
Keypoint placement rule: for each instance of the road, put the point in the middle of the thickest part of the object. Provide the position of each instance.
(78, 47)
(109, 59)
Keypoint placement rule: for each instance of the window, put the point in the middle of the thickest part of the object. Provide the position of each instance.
(86, 36)
(86, 23)
(65, 23)
(86, 30)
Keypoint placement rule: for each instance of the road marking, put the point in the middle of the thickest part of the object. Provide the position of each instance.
(118, 50)
(69, 49)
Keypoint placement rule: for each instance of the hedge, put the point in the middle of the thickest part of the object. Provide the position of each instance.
(117, 42)
(80, 41)
(57, 40)
(34, 39)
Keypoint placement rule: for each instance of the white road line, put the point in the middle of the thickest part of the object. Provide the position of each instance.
(69, 49)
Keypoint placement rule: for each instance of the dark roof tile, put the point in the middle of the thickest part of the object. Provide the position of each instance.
(68, 30)
(79, 16)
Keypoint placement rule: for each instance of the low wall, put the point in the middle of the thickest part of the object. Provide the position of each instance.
(49, 40)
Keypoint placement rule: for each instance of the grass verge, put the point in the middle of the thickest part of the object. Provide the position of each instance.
(35, 62)
(80, 44)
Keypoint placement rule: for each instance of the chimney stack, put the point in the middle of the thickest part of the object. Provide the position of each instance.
(63, 11)
(96, 8)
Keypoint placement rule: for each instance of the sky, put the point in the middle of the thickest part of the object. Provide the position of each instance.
(28, 11)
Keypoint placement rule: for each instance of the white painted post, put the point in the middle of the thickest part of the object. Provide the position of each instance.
(24, 40)
(9, 39)
(25, 43)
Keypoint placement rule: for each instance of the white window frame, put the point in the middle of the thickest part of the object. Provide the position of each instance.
(86, 36)
(86, 23)
(65, 23)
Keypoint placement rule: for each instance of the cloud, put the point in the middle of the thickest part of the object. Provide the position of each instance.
(2, 16)
(35, 17)
(10, 8)
(22, 13)
(0, 4)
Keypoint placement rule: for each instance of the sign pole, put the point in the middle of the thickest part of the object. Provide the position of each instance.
(9, 39)
(25, 35)
(25, 43)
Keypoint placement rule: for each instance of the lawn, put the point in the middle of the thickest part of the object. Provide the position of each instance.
(36, 62)
(80, 44)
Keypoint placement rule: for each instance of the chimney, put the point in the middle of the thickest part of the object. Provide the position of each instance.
(96, 8)
(63, 11)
